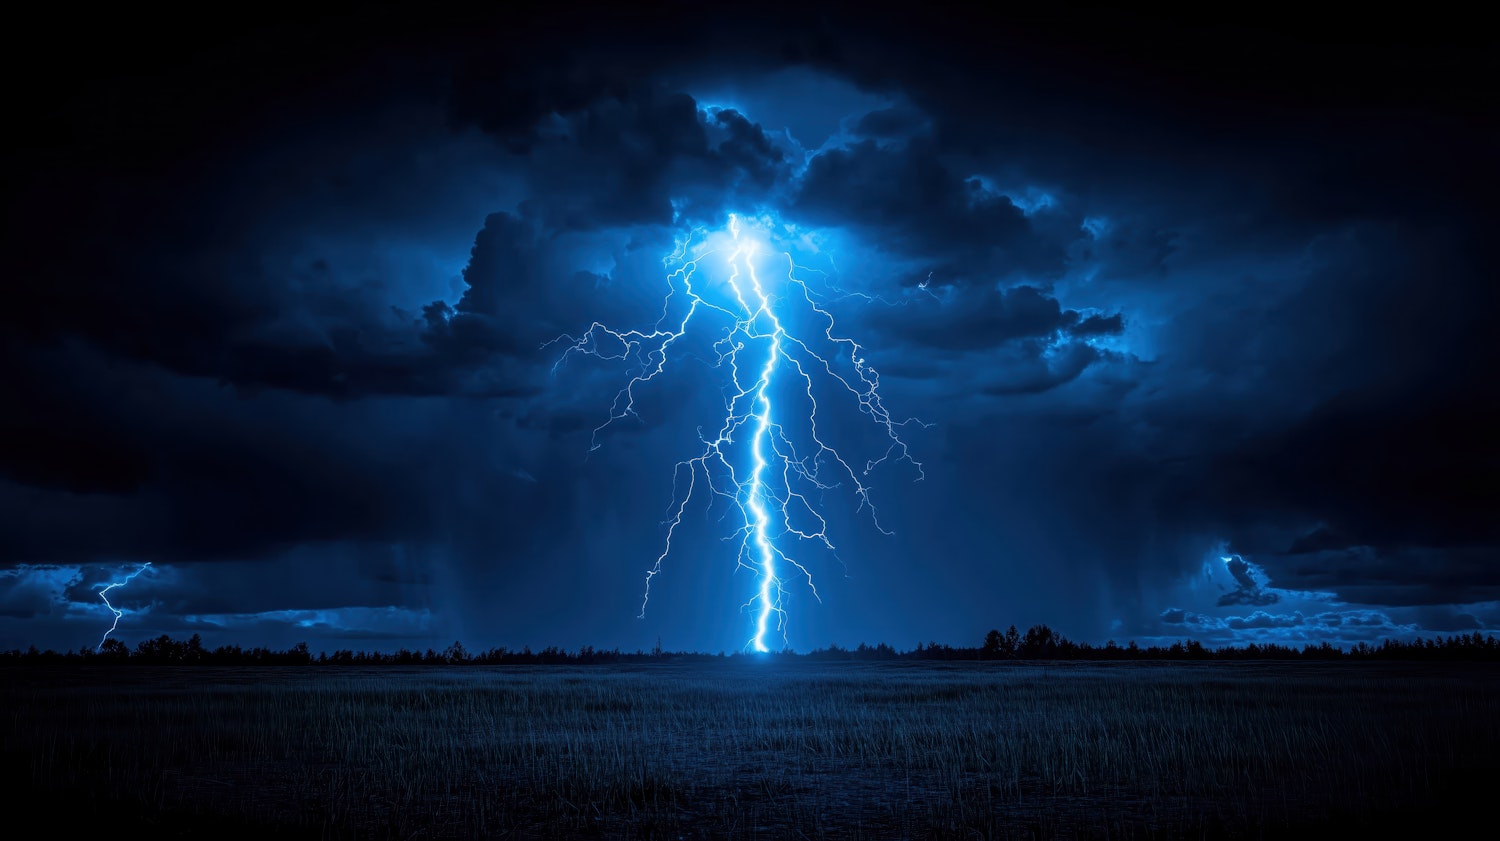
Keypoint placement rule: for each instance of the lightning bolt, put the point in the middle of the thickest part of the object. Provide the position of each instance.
(752, 460)
(103, 595)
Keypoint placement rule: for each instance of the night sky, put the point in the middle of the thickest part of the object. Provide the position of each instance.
(1168, 291)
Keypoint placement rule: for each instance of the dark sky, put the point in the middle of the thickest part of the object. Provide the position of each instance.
(1200, 311)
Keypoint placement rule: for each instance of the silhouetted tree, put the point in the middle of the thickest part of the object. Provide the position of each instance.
(113, 650)
(1040, 642)
(992, 643)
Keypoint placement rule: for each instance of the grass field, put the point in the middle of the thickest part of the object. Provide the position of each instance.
(751, 749)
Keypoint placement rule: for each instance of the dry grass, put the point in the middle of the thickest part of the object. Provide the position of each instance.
(752, 749)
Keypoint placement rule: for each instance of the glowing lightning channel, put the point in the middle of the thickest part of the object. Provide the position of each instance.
(755, 497)
(750, 407)
(115, 610)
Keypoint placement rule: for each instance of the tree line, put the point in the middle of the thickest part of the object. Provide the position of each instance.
(1039, 642)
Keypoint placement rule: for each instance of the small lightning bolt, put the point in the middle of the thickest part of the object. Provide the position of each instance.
(770, 484)
(103, 595)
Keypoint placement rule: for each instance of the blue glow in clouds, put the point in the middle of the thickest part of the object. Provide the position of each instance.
(752, 460)
(115, 610)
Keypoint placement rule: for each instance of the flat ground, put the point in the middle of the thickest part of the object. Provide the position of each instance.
(754, 749)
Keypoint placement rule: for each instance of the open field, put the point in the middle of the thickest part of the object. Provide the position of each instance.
(753, 749)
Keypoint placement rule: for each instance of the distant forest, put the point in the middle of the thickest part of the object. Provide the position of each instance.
(1038, 643)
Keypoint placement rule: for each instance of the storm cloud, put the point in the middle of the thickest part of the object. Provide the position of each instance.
(287, 305)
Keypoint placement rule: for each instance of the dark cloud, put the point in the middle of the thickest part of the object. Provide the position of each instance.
(265, 272)
(1343, 416)
(532, 64)
(1411, 575)
(30, 592)
(1099, 325)
(892, 123)
(1363, 491)
(1161, 282)
(216, 474)
(746, 151)
(652, 157)
(912, 203)
(1248, 591)
(1447, 619)
(973, 319)
(1046, 369)
(1130, 249)
(1318, 540)
(63, 441)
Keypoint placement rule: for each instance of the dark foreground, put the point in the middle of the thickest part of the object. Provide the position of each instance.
(749, 749)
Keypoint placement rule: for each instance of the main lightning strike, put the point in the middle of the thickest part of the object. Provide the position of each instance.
(115, 610)
(768, 491)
